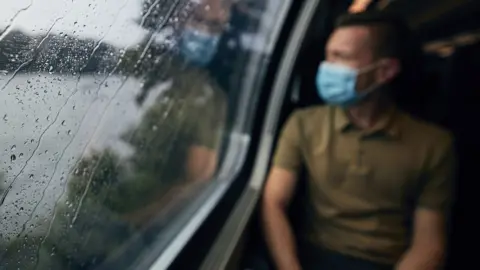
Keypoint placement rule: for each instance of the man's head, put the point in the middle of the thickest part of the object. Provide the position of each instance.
(211, 16)
(372, 45)
(203, 30)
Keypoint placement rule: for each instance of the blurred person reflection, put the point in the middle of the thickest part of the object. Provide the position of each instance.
(180, 136)
(192, 91)
(190, 115)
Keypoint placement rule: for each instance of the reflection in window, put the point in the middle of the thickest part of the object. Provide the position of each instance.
(111, 123)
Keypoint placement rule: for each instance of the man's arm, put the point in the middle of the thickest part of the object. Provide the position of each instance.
(428, 246)
(278, 194)
(278, 232)
(427, 250)
(201, 163)
(207, 118)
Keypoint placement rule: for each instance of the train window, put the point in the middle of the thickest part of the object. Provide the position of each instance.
(113, 117)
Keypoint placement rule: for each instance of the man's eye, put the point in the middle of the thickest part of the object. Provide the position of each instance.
(215, 25)
(197, 19)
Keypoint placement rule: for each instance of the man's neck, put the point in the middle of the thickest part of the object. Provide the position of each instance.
(367, 113)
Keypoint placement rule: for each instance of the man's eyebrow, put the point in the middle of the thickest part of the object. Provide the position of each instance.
(337, 52)
(212, 20)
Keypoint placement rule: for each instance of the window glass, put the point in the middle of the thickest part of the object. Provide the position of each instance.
(116, 115)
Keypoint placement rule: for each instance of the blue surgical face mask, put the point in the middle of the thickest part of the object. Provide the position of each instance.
(199, 47)
(336, 84)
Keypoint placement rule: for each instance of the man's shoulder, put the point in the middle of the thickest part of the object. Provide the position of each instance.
(427, 132)
(310, 114)
(307, 120)
(195, 83)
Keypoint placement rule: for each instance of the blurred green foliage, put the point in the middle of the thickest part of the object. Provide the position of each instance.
(91, 221)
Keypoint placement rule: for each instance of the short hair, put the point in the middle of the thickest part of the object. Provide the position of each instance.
(391, 33)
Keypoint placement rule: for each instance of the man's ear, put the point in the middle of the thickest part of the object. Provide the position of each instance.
(389, 69)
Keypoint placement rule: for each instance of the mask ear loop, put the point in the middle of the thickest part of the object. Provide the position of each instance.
(373, 87)
(368, 67)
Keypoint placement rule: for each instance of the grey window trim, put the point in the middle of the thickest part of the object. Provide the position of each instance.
(231, 233)
(258, 59)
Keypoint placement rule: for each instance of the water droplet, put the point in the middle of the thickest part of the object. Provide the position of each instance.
(13, 157)
(31, 176)
(5, 118)
(63, 123)
(13, 147)
(21, 155)
(69, 132)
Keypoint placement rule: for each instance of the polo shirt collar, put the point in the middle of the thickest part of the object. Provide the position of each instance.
(388, 124)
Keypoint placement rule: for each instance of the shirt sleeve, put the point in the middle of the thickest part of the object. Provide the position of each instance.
(288, 153)
(209, 122)
(437, 189)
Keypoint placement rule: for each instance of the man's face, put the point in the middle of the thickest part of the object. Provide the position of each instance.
(211, 16)
(350, 46)
(353, 46)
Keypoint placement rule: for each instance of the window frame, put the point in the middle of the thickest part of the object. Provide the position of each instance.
(228, 241)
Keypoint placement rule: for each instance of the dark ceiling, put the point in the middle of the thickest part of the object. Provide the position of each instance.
(437, 19)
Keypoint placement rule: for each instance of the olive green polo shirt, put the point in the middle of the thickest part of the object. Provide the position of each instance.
(361, 184)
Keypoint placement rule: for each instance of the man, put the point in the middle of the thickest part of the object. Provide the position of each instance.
(371, 167)
(194, 101)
